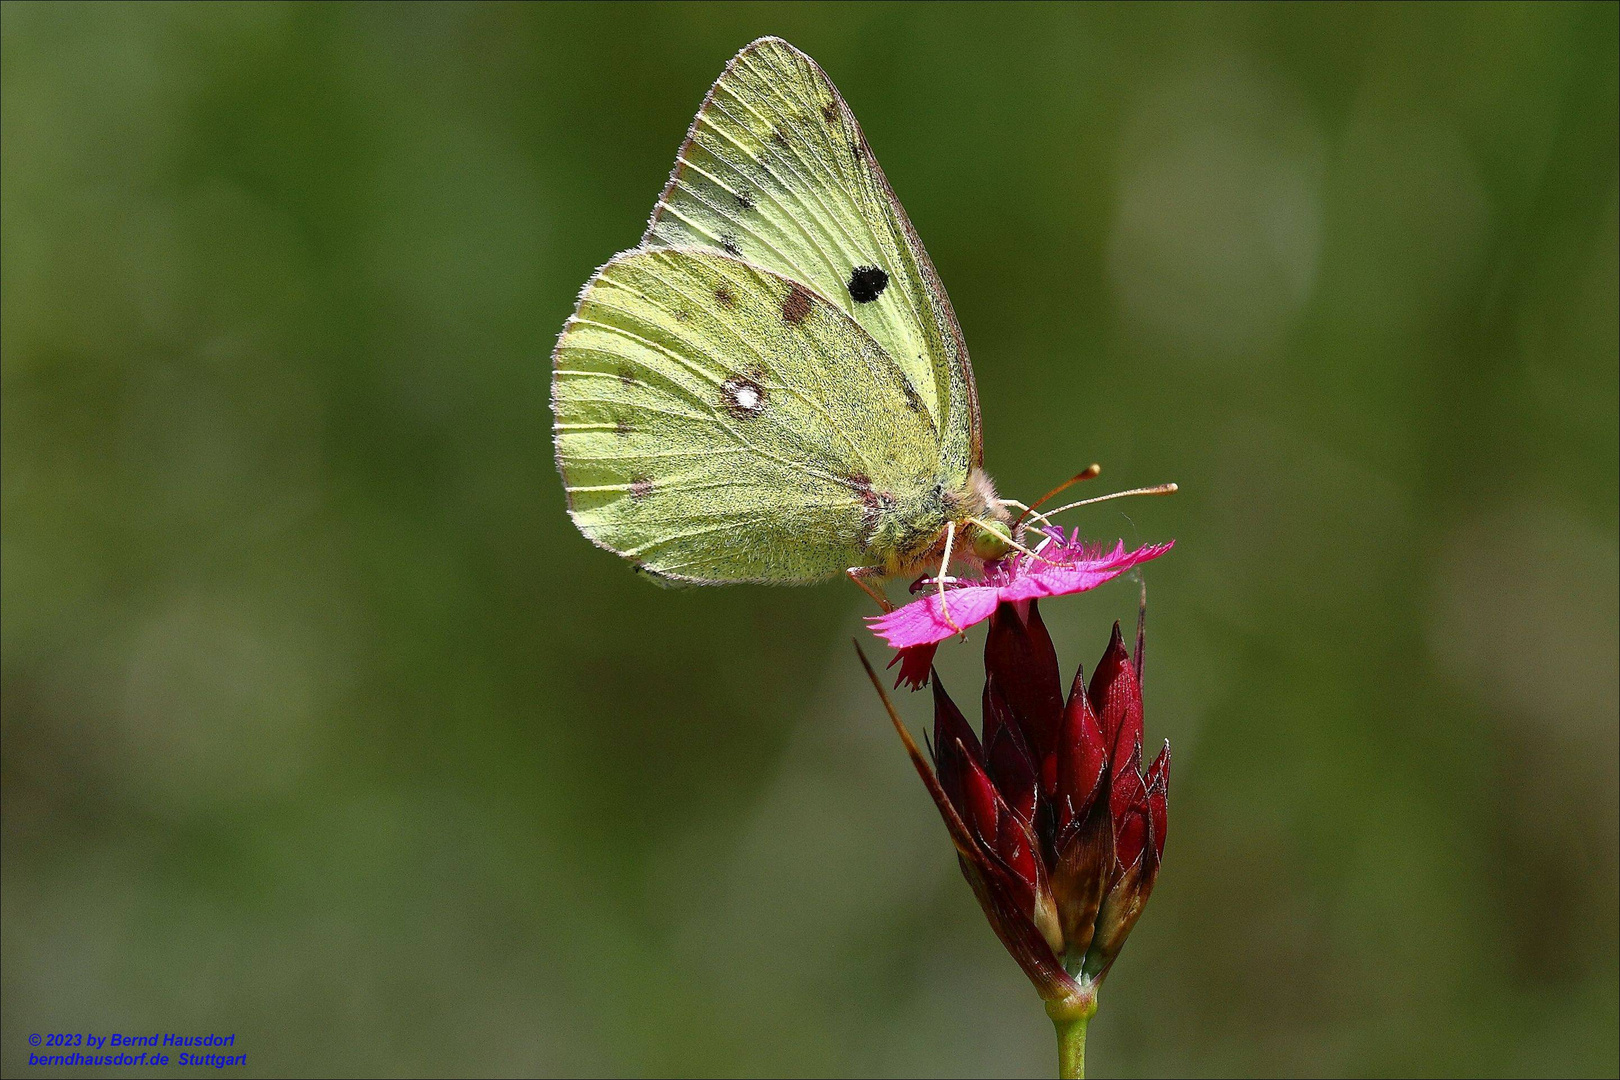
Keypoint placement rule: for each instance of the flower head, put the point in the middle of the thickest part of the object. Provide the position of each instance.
(1061, 565)
(1057, 828)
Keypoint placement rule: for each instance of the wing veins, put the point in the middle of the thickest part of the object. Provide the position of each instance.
(865, 177)
(795, 466)
(783, 384)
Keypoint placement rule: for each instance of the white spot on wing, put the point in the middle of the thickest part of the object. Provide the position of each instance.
(742, 397)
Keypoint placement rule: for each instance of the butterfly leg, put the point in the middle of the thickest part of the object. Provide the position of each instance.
(945, 565)
(859, 574)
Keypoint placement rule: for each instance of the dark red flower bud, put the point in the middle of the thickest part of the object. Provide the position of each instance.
(1058, 831)
(1158, 785)
(999, 813)
(978, 802)
(1018, 654)
(1011, 765)
(1081, 758)
(954, 739)
(1116, 694)
(1127, 801)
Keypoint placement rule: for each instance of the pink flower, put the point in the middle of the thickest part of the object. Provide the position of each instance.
(1065, 566)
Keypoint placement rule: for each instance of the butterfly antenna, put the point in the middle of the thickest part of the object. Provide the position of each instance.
(1087, 473)
(1157, 489)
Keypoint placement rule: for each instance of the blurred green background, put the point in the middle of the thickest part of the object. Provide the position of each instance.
(323, 726)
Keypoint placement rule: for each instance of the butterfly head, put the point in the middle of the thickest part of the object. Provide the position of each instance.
(987, 524)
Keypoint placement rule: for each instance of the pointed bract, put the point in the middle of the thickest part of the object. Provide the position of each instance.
(1082, 865)
(1013, 771)
(1081, 758)
(979, 803)
(1117, 697)
(1018, 653)
(1120, 909)
(1158, 789)
(953, 740)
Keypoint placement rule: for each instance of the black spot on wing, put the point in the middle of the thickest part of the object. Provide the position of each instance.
(728, 244)
(627, 376)
(866, 283)
(745, 199)
(723, 296)
(622, 428)
(641, 488)
(829, 113)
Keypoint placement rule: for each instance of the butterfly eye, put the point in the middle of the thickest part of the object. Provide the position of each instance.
(866, 284)
(990, 540)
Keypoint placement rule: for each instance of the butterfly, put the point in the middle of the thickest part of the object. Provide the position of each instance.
(772, 386)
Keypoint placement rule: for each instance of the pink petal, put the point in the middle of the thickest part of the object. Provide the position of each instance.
(1043, 579)
(921, 622)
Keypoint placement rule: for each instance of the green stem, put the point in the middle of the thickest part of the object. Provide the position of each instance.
(1071, 1049)
(1071, 1016)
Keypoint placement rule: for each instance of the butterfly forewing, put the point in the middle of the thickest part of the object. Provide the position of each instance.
(717, 421)
(775, 171)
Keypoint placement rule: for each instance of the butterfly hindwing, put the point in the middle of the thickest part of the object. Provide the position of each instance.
(775, 170)
(717, 421)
